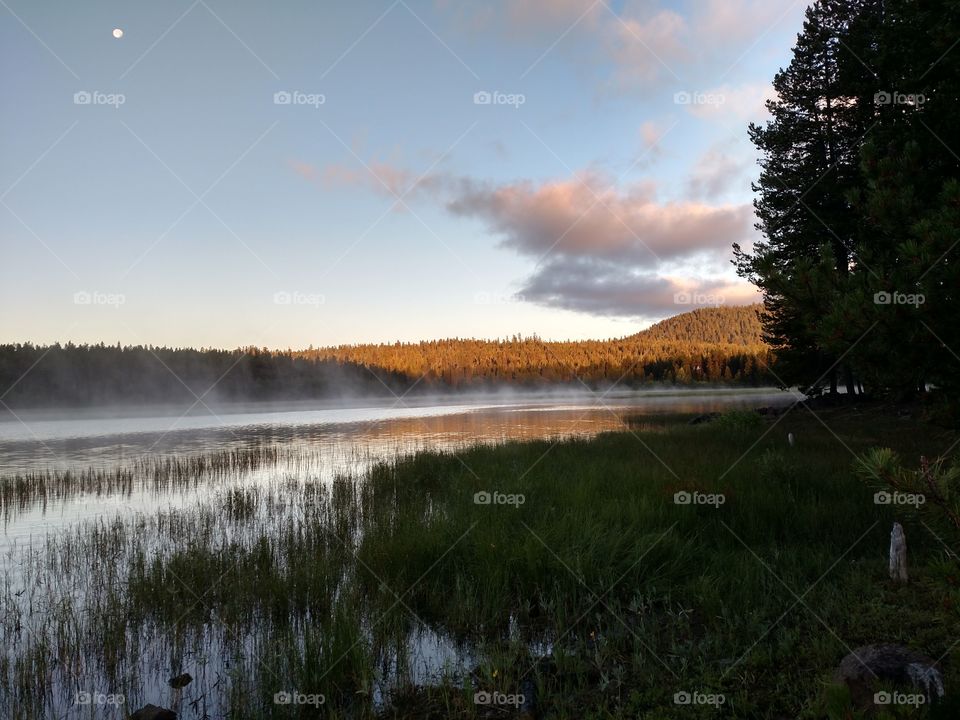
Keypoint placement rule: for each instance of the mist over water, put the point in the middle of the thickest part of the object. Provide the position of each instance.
(74, 477)
(313, 442)
(33, 440)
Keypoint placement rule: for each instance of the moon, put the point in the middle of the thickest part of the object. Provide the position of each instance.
(117, 33)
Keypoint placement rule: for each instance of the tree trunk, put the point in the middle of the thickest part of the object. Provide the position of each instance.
(848, 379)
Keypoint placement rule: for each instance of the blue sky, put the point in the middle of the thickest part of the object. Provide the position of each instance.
(156, 188)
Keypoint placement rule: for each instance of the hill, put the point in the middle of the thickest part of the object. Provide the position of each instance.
(735, 325)
(709, 345)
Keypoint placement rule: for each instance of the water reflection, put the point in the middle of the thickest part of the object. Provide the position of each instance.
(44, 440)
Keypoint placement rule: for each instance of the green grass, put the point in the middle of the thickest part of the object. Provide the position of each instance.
(295, 585)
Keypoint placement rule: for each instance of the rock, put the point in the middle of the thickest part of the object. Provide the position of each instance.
(181, 681)
(866, 666)
(152, 712)
(769, 411)
(705, 418)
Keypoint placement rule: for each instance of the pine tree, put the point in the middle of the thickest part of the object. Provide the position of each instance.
(809, 166)
(910, 204)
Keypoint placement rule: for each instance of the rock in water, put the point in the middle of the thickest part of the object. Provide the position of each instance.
(181, 681)
(898, 554)
(866, 666)
(152, 712)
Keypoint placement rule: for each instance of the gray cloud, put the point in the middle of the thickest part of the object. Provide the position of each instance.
(607, 289)
(600, 249)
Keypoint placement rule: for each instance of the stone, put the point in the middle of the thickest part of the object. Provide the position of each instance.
(869, 665)
(152, 712)
(181, 681)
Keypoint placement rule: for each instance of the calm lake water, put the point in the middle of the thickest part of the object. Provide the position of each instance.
(48, 439)
(325, 440)
(68, 476)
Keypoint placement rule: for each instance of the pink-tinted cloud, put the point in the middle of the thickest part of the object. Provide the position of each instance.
(740, 22)
(732, 105)
(599, 248)
(647, 42)
(585, 216)
(646, 50)
(717, 172)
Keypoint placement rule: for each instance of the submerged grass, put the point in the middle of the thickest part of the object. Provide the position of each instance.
(570, 573)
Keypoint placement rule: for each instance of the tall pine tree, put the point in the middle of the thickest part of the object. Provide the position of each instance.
(810, 165)
(909, 205)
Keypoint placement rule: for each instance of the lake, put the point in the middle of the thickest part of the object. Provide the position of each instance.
(327, 440)
(96, 493)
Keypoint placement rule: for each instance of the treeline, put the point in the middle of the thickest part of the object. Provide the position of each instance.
(87, 375)
(859, 201)
(90, 375)
(712, 345)
(533, 362)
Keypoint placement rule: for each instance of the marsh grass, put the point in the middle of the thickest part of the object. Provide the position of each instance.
(598, 594)
(160, 474)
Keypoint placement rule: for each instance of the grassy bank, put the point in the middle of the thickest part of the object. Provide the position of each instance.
(582, 584)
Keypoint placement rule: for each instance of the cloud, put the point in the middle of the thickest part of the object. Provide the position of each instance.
(609, 251)
(650, 133)
(552, 15)
(600, 248)
(643, 51)
(382, 177)
(716, 173)
(732, 104)
(304, 170)
(525, 20)
(607, 289)
(645, 43)
(651, 137)
(724, 22)
(586, 216)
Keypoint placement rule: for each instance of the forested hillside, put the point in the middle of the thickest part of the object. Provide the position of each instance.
(736, 325)
(717, 345)
(709, 345)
